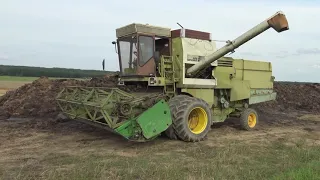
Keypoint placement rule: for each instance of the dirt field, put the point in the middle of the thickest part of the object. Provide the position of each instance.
(8, 83)
(11, 85)
(3, 91)
(285, 146)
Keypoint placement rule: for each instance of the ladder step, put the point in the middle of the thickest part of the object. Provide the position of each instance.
(169, 91)
(168, 72)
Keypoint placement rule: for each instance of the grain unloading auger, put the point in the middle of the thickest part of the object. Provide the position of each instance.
(177, 83)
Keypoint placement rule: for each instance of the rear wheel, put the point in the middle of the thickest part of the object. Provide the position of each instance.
(191, 118)
(249, 119)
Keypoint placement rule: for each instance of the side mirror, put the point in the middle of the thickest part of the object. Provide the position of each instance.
(115, 46)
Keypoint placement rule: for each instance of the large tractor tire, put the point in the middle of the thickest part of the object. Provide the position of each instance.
(249, 119)
(192, 118)
(170, 133)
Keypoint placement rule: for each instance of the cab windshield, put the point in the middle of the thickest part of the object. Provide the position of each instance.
(128, 54)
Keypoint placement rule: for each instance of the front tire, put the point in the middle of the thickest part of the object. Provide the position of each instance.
(249, 119)
(192, 118)
(170, 132)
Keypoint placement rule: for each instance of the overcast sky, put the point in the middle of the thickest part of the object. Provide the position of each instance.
(78, 33)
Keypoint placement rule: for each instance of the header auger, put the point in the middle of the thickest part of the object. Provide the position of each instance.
(175, 82)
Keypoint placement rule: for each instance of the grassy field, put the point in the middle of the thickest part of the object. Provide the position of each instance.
(25, 79)
(72, 150)
(17, 78)
(12, 82)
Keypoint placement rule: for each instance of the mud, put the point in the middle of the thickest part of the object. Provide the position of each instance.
(37, 99)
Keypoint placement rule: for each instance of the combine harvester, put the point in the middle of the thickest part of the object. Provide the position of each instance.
(175, 82)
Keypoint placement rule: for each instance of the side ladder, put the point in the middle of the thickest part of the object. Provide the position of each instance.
(167, 69)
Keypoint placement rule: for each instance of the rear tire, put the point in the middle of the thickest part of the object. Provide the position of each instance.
(249, 119)
(192, 118)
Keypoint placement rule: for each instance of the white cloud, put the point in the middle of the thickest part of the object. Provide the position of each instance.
(4, 58)
(317, 66)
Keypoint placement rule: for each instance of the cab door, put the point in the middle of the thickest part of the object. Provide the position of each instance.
(146, 62)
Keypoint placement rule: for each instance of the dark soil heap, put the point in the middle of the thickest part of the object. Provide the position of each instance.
(37, 99)
(293, 96)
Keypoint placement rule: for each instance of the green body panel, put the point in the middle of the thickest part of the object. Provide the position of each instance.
(186, 52)
(221, 115)
(257, 72)
(206, 94)
(223, 77)
(243, 76)
(177, 55)
(151, 123)
(254, 92)
(155, 120)
(128, 129)
(242, 91)
(262, 98)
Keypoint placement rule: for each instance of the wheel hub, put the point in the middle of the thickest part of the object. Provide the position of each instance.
(197, 120)
(252, 120)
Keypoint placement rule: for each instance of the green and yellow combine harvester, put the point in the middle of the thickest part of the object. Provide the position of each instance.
(175, 82)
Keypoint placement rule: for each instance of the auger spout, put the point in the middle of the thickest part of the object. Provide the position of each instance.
(278, 22)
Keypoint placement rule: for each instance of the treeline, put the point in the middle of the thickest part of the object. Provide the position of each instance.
(26, 71)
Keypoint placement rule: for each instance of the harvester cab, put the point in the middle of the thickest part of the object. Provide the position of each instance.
(176, 82)
(139, 49)
(156, 56)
